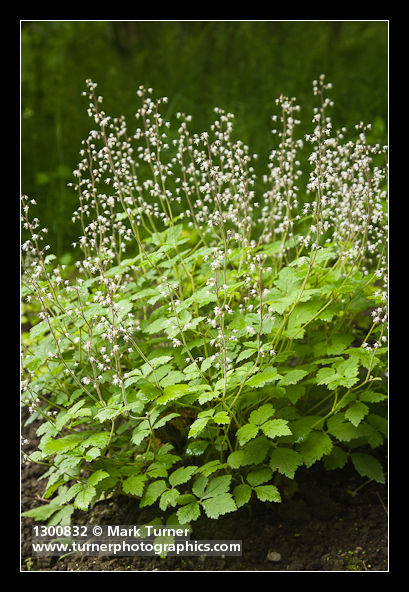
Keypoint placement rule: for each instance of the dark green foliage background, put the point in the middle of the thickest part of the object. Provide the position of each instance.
(239, 66)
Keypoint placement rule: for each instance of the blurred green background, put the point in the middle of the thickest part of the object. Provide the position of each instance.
(239, 66)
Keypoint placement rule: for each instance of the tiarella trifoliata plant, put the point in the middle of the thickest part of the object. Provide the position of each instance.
(213, 337)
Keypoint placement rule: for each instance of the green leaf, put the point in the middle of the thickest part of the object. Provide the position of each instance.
(76, 407)
(294, 392)
(292, 377)
(188, 513)
(84, 497)
(62, 517)
(303, 313)
(54, 481)
(235, 459)
(144, 293)
(315, 447)
(242, 494)
(361, 356)
(186, 498)
(336, 459)
(337, 345)
(132, 379)
(302, 427)
(256, 451)
(164, 420)
(288, 280)
(92, 454)
(286, 461)
(263, 378)
(168, 498)
(372, 397)
(157, 469)
(140, 432)
(246, 433)
(70, 493)
(342, 373)
(197, 426)
(155, 363)
(97, 477)
(39, 329)
(275, 428)
(62, 444)
(246, 353)
(262, 414)
(268, 493)
(42, 512)
(219, 505)
(197, 448)
(210, 467)
(98, 440)
(356, 412)
(326, 376)
(368, 466)
(348, 367)
(374, 437)
(181, 475)
(206, 364)
(135, 484)
(343, 430)
(157, 326)
(172, 392)
(108, 413)
(217, 485)
(259, 476)
(208, 396)
(199, 485)
(221, 417)
(172, 377)
(379, 423)
(95, 310)
(152, 492)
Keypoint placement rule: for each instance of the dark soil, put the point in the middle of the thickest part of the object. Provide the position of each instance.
(318, 527)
